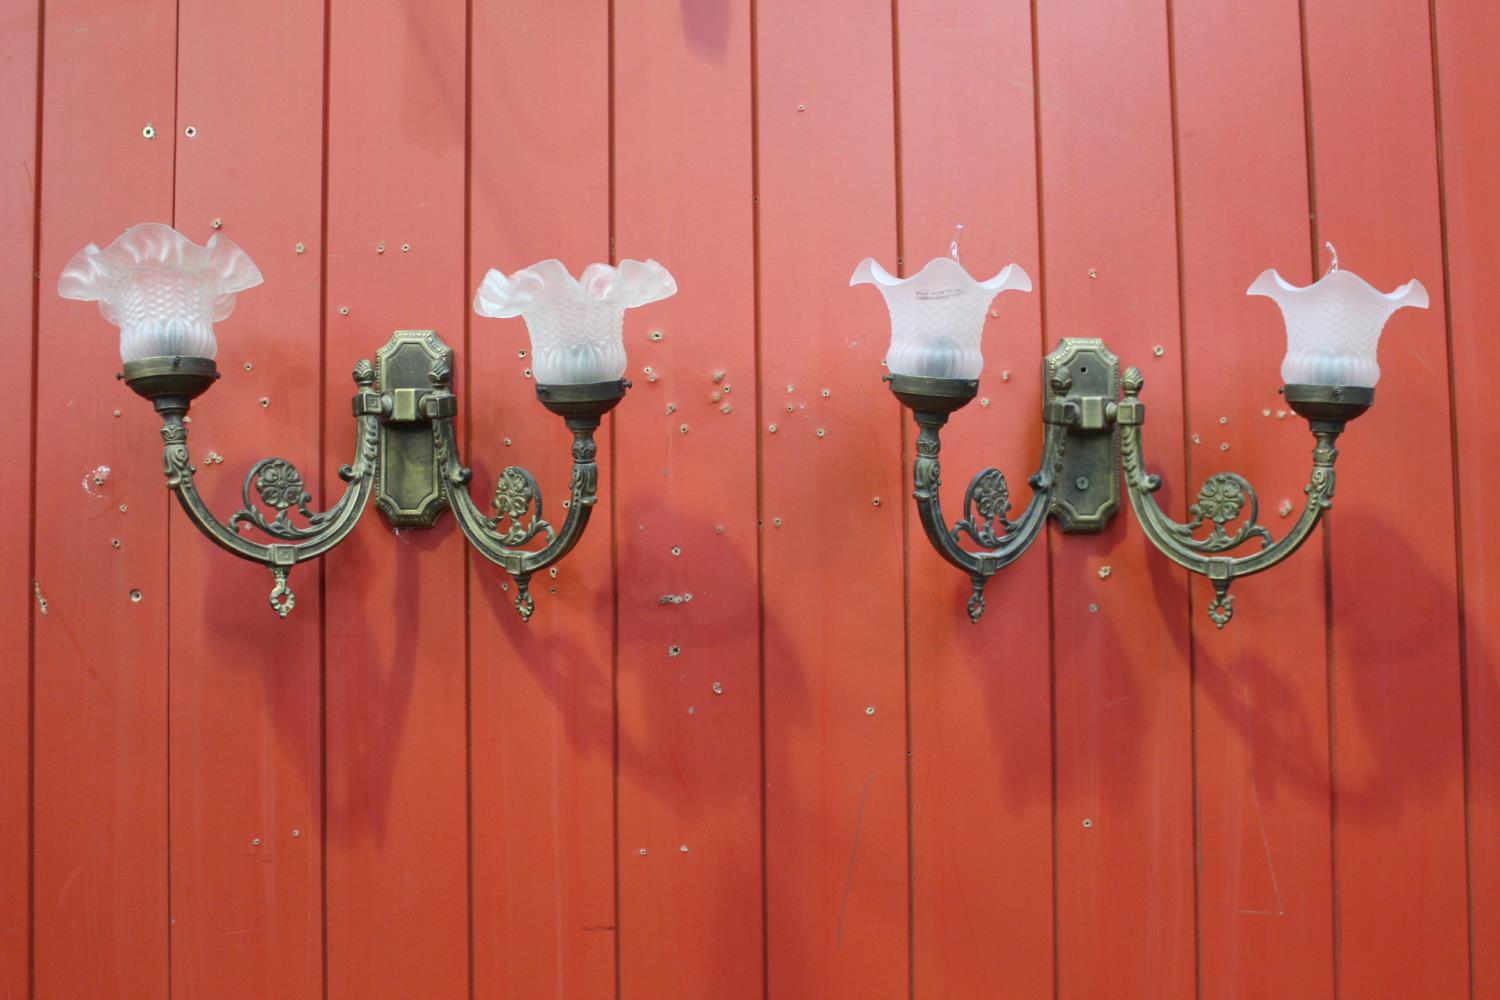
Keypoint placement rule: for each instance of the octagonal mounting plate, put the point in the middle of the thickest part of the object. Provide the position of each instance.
(1088, 491)
(408, 478)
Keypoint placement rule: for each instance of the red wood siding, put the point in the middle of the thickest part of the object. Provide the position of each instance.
(815, 779)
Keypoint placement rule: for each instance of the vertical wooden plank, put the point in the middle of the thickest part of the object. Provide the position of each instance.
(541, 712)
(1467, 36)
(1123, 713)
(1261, 706)
(1397, 746)
(246, 853)
(981, 736)
(397, 821)
(101, 657)
(20, 49)
(689, 718)
(836, 771)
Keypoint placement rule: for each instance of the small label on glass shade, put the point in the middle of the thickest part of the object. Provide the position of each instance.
(924, 294)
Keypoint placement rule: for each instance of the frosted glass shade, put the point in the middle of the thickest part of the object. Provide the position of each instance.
(161, 289)
(937, 315)
(1333, 325)
(576, 324)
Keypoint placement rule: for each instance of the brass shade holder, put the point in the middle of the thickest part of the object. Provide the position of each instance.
(1091, 434)
(405, 455)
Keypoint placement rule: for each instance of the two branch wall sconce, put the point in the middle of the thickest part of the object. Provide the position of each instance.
(165, 293)
(1090, 431)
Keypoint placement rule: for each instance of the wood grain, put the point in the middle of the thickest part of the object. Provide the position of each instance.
(540, 707)
(688, 761)
(1398, 719)
(396, 800)
(981, 734)
(247, 864)
(100, 738)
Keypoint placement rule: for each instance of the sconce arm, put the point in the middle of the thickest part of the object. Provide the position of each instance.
(519, 516)
(986, 503)
(1222, 499)
(279, 486)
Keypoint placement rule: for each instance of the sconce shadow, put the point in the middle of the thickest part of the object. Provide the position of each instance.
(377, 705)
(648, 754)
(705, 24)
(1020, 784)
(1255, 702)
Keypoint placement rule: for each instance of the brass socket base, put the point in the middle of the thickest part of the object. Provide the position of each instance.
(170, 381)
(1330, 405)
(585, 402)
(935, 396)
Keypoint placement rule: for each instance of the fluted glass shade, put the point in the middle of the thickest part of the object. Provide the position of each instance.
(937, 315)
(161, 289)
(576, 324)
(1333, 325)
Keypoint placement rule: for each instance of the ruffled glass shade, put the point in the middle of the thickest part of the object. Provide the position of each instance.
(161, 289)
(937, 315)
(1333, 325)
(576, 324)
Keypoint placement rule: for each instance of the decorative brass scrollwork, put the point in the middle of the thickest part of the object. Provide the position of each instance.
(1092, 435)
(1226, 495)
(172, 384)
(987, 500)
(518, 498)
(406, 457)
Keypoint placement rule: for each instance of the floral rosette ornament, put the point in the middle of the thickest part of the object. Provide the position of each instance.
(576, 324)
(161, 289)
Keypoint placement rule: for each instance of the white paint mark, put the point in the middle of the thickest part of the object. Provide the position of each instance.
(1265, 838)
(94, 480)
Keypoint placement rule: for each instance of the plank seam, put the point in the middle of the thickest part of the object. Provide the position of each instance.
(468, 432)
(167, 518)
(760, 494)
(322, 391)
(1041, 273)
(903, 434)
(1458, 522)
(614, 535)
(31, 618)
(1187, 467)
(1330, 684)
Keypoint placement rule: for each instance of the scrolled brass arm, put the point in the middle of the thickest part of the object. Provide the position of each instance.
(1225, 496)
(986, 504)
(987, 500)
(519, 515)
(278, 484)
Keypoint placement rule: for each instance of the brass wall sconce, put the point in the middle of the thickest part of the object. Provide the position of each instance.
(1091, 432)
(165, 293)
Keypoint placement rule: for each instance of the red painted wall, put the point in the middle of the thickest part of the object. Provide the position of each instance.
(837, 787)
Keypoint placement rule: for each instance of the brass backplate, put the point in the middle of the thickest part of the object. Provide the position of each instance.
(1088, 491)
(408, 483)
